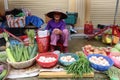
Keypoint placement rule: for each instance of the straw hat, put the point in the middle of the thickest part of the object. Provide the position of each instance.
(51, 13)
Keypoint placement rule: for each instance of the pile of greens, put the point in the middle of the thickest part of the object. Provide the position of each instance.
(80, 67)
(3, 57)
(19, 53)
(113, 73)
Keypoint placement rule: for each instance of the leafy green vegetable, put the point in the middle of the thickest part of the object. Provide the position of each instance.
(113, 72)
(80, 67)
(2, 75)
(34, 51)
(31, 35)
(10, 55)
(23, 53)
(3, 57)
(5, 35)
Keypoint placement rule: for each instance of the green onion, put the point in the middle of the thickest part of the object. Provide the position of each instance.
(80, 67)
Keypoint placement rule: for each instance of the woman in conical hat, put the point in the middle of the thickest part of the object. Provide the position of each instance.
(58, 29)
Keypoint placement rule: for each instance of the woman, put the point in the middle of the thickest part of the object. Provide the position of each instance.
(57, 29)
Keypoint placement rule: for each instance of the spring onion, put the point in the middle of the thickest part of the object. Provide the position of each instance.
(80, 67)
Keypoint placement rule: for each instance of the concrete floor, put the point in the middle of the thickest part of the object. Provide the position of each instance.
(76, 44)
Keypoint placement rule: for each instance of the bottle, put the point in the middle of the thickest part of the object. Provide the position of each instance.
(90, 31)
(86, 26)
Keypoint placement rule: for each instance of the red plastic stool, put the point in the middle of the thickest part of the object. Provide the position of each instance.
(59, 44)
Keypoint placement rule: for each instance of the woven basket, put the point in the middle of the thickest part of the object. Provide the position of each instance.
(20, 65)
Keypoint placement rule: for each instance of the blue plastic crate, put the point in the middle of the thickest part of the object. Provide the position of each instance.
(72, 18)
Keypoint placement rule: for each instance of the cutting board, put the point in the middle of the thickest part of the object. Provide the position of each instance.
(61, 74)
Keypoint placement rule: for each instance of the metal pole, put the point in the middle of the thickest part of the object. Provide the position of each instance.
(116, 11)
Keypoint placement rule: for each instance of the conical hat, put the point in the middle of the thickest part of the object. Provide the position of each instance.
(51, 13)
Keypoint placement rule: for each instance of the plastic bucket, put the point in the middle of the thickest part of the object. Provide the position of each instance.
(43, 43)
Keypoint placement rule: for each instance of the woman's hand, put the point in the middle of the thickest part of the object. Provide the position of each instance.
(57, 31)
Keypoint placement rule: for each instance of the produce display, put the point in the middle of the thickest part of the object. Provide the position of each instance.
(79, 67)
(31, 35)
(108, 37)
(89, 49)
(3, 56)
(116, 57)
(99, 61)
(113, 73)
(19, 53)
(67, 58)
(46, 59)
(116, 48)
(3, 71)
(77, 64)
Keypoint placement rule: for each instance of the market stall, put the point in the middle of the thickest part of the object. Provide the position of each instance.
(29, 56)
(45, 64)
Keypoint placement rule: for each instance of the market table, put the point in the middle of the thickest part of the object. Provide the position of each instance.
(61, 74)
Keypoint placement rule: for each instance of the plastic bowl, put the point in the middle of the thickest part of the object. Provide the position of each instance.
(20, 65)
(100, 67)
(116, 62)
(75, 56)
(47, 64)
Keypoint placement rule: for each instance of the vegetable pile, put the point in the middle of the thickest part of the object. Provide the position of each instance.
(3, 57)
(79, 67)
(3, 72)
(46, 59)
(113, 72)
(31, 35)
(99, 61)
(96, 50)
(19, 53)
(116, 57)
(116, 48)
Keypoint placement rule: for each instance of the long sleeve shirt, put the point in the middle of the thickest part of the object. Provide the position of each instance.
(55, 25)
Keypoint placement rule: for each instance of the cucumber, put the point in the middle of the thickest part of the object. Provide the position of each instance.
(2, 75)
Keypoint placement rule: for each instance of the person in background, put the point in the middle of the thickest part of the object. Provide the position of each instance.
(57, 29)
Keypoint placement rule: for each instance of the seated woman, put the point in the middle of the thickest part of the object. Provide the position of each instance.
(57, 29)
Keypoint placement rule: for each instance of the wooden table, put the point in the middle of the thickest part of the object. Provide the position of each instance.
(61, 74)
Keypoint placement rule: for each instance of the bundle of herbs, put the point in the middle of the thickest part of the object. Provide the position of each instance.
(80, 67)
